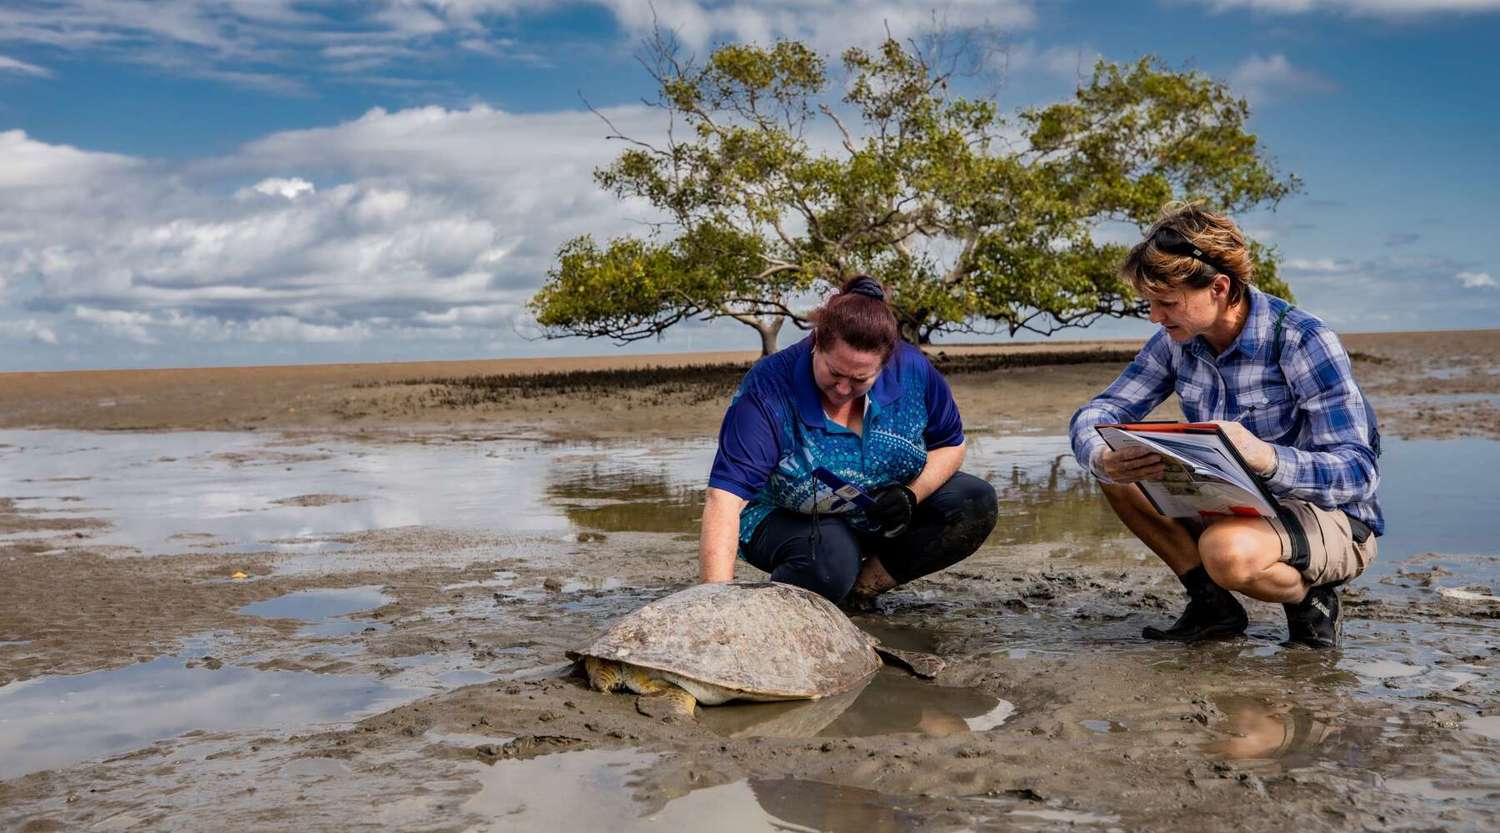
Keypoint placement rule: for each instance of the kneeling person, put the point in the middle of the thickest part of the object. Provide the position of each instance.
(1280, 384)
(855, 400)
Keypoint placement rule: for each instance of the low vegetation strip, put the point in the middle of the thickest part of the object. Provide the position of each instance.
(687, 383)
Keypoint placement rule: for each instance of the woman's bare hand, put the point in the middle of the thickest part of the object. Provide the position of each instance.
(1131, 464)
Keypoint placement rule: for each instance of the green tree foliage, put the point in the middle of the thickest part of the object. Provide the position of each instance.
(976, 222)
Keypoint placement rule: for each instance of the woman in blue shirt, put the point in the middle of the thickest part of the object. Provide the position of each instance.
(851, 404)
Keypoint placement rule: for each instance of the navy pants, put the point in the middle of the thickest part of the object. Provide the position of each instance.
(946, 528)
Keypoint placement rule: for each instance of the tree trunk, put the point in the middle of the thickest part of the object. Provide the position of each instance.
(769, 328)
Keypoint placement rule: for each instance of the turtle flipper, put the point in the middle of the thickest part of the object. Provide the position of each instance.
(604, 675)
(673, 702)
(926, 666)
(659, 698)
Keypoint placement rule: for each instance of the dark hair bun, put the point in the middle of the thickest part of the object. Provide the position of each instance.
(859, 316)
(866, 286)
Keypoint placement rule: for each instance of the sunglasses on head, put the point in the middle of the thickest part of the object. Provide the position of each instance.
(1173, 242)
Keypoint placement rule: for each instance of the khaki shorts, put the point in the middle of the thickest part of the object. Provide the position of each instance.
(1330, 552)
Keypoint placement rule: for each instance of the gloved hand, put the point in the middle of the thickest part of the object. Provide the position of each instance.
(893, 507)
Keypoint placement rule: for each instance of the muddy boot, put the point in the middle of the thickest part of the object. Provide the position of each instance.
(1212, 612)
(1316, 621)
(860, 603)
(871, 582)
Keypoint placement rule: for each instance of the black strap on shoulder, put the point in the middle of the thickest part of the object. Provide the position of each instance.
(1276, 338)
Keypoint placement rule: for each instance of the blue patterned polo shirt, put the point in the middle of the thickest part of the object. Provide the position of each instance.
(775, 434)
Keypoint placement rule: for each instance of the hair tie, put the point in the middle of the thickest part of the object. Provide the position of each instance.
(867, 287)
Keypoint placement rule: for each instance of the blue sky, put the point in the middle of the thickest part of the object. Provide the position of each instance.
(206, 182)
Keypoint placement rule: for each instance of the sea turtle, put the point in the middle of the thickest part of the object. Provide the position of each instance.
(713, 643)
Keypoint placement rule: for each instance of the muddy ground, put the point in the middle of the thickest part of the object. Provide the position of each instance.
(1102, 730)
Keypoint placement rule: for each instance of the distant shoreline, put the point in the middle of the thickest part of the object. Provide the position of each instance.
(547, 364)
(1437, 383)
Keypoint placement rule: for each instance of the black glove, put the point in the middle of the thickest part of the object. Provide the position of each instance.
(892, 510)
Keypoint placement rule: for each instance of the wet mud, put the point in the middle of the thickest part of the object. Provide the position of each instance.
(319, 630)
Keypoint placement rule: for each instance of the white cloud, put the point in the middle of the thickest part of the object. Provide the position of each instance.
(266, 44)
(827, 26)
(33, 164)
(28, 329)
(429, 224)
(1391, 291)
(1366, 8)
(22, 68)
(1476, 280)
(1320, 265)
(283, 187)
(128, 324)
(1262, 79)
(288, 329)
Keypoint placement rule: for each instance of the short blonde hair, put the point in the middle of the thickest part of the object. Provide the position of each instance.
(1188, 247)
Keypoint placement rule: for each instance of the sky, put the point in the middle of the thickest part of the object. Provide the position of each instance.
(227, 182)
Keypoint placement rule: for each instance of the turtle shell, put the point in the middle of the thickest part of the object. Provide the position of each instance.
(765, 639)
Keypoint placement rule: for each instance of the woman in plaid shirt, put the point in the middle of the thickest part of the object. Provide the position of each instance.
(1279, 382)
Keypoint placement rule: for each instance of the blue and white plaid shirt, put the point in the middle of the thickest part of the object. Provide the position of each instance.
(1307, 405)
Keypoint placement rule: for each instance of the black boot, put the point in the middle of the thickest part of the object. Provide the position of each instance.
(1316, 621)
(1212, 612)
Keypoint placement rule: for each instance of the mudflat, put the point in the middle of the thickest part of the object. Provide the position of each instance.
(339, 597)
(1426, 384)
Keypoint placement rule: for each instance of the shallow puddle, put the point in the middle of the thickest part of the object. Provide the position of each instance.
(315, 605)
(1438, 496)
(543, 794)
(245, 492)
(892, 702)
(51, 722)
(1045, 497)
(324, 610)
(1254, 730)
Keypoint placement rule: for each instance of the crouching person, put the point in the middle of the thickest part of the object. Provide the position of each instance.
(851, 404)
(1280, 384)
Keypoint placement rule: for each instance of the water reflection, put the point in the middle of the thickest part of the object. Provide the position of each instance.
(542, 794)
(51, 722)
(246, 491)
(315, 605)
(1438, 496)
(1259, 731)
(828, 807)
(234, 488)
(892, 702)
(629, 492)
(1045, 497)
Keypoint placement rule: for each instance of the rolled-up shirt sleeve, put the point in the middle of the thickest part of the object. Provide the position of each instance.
(944, 426)
(748, 447)
(1339, 465)
(1143, 385)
